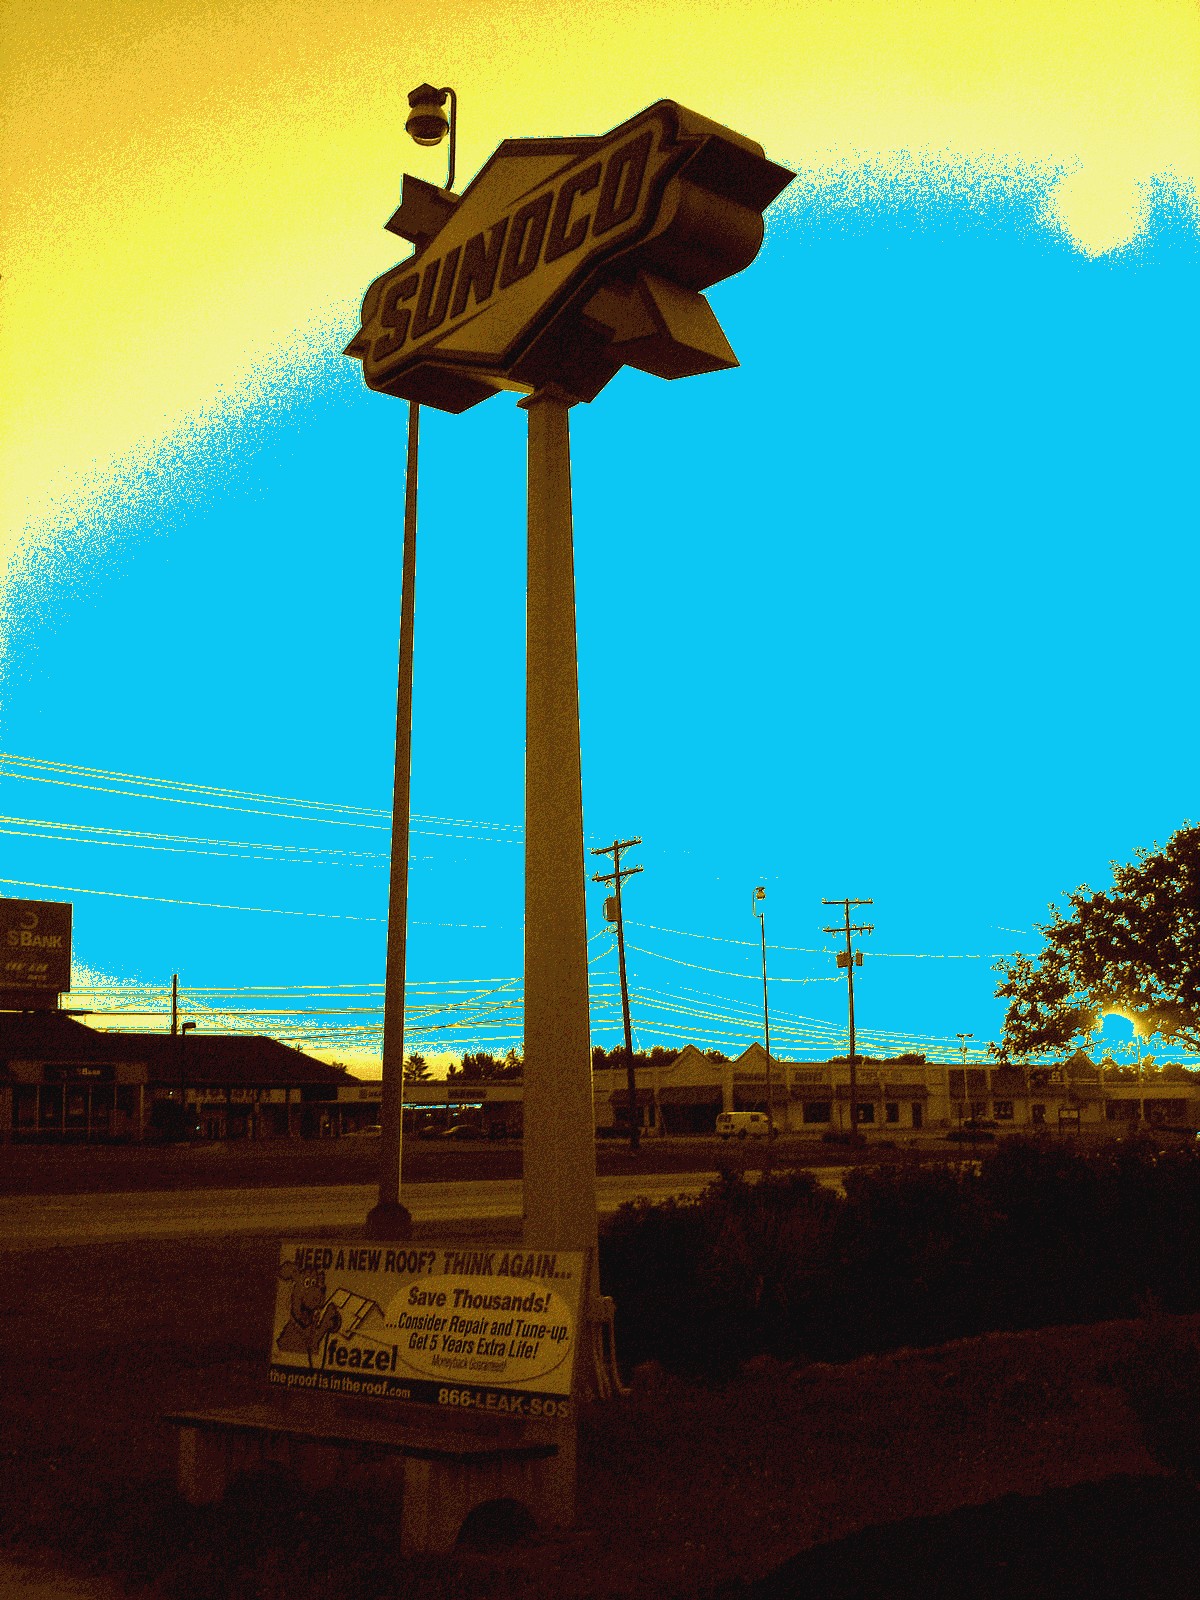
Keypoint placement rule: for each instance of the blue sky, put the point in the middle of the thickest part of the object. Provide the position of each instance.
(899, 609)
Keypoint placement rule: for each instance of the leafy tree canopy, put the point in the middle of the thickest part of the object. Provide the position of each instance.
(416, 1069)
(1132, 950)
(483, 1067)
(659, 1056)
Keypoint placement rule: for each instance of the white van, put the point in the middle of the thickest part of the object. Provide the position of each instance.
(743, 1124)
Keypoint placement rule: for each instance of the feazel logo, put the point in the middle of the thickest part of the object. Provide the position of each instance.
(566, 259)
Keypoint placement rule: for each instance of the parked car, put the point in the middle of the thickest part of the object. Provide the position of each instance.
(743, 1125)
(462, 1130)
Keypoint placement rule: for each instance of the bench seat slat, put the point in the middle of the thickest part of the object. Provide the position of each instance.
(400, 1438)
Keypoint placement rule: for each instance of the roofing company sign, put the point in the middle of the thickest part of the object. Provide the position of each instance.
(566, 259)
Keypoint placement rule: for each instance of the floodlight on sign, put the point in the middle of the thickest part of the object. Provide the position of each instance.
(427, 122)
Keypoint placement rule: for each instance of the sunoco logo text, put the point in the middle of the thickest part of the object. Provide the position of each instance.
(590, 202)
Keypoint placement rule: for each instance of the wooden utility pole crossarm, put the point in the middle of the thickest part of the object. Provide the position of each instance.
(849, 959)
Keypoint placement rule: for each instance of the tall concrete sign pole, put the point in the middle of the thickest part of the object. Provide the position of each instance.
(563, 261)
(559, 1127)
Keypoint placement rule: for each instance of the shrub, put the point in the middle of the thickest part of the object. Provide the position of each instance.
(702, 1285)
(1039, 1233)
(1161, 1380)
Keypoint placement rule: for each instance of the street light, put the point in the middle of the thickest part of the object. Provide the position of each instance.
(427, 124)
(761, 894)
(962, 1041)
(962, 1044)
(184, 1029)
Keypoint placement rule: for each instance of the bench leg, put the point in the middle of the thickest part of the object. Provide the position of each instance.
(440, 1495)
(203, 1465)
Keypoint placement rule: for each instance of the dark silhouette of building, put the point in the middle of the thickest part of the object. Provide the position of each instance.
(62, 1081)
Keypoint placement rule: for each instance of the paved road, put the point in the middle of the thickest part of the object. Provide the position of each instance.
(34, 1222)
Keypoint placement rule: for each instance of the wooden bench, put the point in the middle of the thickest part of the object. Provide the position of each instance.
(446, 1468)
(452, 1426)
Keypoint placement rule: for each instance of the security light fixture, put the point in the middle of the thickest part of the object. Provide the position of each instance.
(428, 123)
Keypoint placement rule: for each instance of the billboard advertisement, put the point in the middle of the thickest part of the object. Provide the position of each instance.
(35, 938)
(484, 1329)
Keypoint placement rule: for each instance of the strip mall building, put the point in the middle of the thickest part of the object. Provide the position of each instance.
(897, 1098)
(62, 1081)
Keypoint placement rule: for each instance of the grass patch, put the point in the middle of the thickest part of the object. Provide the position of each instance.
(685, 1485)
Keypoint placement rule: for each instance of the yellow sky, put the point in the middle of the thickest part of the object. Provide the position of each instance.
(193, 192)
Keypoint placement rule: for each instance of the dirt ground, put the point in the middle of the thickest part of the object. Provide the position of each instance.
(683, 1491)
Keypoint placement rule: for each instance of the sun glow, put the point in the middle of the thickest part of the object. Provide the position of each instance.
(190, 190)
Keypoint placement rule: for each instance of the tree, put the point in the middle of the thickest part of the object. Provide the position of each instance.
(483, 1067)
(659, 1056)
(416, 1069)
(1132, 950)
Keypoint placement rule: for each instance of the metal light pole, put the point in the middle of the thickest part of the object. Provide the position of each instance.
(966, 1101)
(185, 1029)
(389, 1218)
(761, 894)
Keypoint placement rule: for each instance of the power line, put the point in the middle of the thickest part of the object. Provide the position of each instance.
(41, 763)
(52, 772)
(721, 972)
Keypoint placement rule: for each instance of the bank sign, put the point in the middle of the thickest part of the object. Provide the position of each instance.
(566, 259)
(35, 945)
(464, 1328)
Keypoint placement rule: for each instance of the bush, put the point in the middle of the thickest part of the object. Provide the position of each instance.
(702, 1285)
(1161, 1381)
(913, 1255)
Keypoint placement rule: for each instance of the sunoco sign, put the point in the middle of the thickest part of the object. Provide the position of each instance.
(35, 944)
(567, 259)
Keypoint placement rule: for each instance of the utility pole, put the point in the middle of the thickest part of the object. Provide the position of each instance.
(174, 1004)
(761, 894)
(851, 958)
(614, 850)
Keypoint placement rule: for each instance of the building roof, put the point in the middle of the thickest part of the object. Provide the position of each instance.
(241, 1060)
